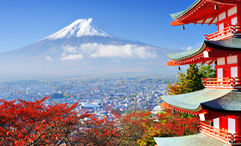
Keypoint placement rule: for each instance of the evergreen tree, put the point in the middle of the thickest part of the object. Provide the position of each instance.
(191, 80)
(207, 71)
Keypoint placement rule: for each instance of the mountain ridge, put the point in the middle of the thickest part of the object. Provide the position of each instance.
(80, 27)
(71, 52)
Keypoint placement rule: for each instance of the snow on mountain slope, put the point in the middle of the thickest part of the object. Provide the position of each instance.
(83, 49)
(79, 28)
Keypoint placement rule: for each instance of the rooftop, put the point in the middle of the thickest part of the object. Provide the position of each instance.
(230, 102)
(202, 11)
(200, 139)
(225, 99)
(232, 44)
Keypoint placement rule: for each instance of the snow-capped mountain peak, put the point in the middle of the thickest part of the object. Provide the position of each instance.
(79, 28)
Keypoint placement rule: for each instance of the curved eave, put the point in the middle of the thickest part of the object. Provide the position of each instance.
(189, 57)
(181, 13)
(226, 1)
(202, 12)
(195, 111)
(187, 54)
(176, 23)
(231, 45)
(229, 103)
(193, 101)
(219, 110)
(190, 140)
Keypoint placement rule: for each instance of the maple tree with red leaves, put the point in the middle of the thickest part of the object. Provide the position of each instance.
(119, 130)
(100, 132)
(134, 125)
(33, 123)
(169, 124)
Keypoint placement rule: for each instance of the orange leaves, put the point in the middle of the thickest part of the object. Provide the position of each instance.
(174, 89)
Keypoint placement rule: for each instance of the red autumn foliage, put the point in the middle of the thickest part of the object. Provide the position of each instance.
(173, 124)
(169, 124)
(33, 123)
(134, 125)
(100, 132)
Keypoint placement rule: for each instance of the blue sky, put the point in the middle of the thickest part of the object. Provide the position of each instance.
(27, 21)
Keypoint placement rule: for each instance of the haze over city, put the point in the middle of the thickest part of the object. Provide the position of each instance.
(86, 49)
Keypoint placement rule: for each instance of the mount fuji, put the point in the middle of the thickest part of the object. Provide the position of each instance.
(81, 49)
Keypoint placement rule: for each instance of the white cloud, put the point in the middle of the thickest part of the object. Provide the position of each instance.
(100, 50)
(189, 48)
(70, 49)
(63, 54)
(95, 50)
(72, 57)
(71, 53)
(49, 58)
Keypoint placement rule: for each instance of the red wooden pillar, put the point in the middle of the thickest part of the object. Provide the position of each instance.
(239, 70)
(225, 123)
(238, 128)
(238, 17)
(238, 64)
(221, 122)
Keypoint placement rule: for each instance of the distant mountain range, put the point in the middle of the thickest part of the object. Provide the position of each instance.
(81, 49)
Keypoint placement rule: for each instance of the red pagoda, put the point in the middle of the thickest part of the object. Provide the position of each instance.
(219, 103)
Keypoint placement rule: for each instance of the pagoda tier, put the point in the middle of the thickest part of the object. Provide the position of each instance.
(226, 100)
(227, 57)
(220, 107)
(209, 12)
(208, 53)
(186, 102)
(219, 104)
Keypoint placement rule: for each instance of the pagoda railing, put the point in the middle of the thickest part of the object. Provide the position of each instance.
(220, 134)
(237, 138)
(224, 33)
(222, 82)
(217, 133)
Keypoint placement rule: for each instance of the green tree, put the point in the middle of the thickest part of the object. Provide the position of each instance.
(207, 71)
(191, 80)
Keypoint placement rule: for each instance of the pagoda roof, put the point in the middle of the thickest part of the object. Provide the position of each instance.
(193, 101)
(186, 54)
(202, 11)
(231, 44)
(181, 13)
(196, 139)
(230, 102)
